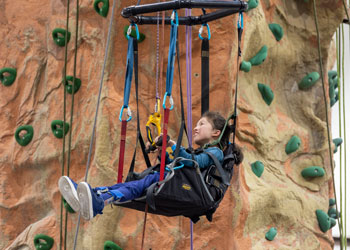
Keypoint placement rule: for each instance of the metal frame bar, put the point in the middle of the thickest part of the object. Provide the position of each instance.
(230, 7)
(189, 20)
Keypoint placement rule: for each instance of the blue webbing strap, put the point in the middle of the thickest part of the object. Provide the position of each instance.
(171, 55)
(128, 74)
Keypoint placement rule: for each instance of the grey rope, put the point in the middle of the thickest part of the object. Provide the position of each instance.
(326, 111)
(97, 108)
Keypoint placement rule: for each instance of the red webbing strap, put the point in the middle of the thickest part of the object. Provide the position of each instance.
(122, 151)
(164, 143)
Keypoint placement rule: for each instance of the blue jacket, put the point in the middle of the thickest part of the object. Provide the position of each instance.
(203, 159)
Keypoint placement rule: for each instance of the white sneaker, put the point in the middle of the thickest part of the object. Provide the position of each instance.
(68, 190)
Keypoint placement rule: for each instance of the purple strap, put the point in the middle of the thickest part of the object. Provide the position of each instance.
(189, 88)
(188, 76)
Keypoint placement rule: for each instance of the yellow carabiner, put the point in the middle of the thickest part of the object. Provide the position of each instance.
(155, 120)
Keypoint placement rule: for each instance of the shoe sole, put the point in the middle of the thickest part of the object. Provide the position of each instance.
(85, 200)
(69, 193)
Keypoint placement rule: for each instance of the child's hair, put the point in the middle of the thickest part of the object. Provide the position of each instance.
(218, 122)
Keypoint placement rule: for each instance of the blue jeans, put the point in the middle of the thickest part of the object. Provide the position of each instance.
(134, 189)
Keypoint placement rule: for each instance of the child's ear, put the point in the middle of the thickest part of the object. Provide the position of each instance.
(216, 132)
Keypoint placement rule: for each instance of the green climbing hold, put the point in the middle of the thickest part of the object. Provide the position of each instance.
(69, 84)
(293, 145)
(337, 142)
(133, 34)
(257, 168)
(67, 206)
(333, 84)
(252, 4)
(260, 57)
(266, 93)
(312, 172)
(59, 36)
(43, 242)
(333, 222)
(309, 80)
(332, 75)
(110, 245)
(8, 76)
(25, 139)
(331, 202)
(271, 234)
(333, 213)
(245, 66)
(57, 128)
(323, 219)
(336, 98)
(101, 10)
(276, 30)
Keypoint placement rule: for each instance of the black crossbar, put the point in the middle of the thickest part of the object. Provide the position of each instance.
(179, 4)
(188, 20)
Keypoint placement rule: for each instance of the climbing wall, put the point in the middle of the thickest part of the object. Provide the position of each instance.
(274, 195)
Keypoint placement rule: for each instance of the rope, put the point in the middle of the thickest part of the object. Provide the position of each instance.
(346, 10)
(326, 109)
(72, 108)
(339, 70)
(64, 117)
(343, 213)
(162, 52)
(157, 58)
(97, 108)
(189, 91)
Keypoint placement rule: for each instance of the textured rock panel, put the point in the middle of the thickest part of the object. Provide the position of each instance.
(281, 198)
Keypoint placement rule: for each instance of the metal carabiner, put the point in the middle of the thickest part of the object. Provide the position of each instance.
(175, 17)
(201, 31)
(130, 29)
(240, 21)
(128, 112)
(171, 101)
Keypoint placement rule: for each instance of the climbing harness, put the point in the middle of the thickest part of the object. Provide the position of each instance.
(158, 196)
(96, 112)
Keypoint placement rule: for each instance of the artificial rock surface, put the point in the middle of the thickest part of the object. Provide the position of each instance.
(280, 198)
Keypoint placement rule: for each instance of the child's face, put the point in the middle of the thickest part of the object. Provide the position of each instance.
(204, 132)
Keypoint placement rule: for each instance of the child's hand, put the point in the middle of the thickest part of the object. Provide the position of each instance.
(171, 143)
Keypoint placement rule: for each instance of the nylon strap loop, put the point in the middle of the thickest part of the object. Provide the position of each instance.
(205, 75)
(128, 74)
(171, 56)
